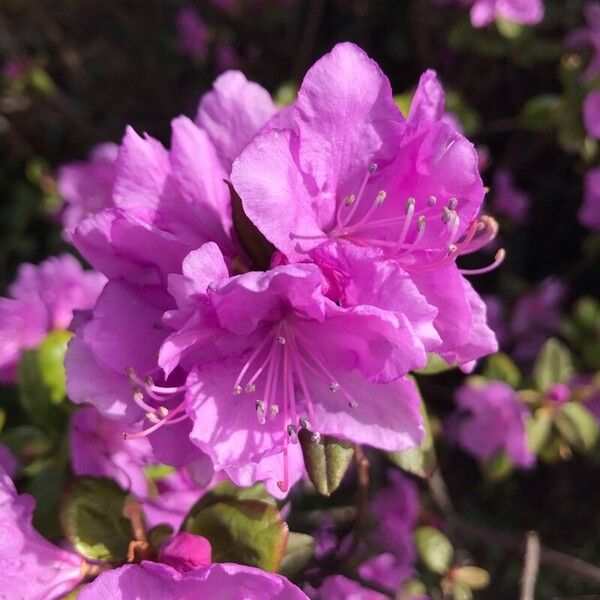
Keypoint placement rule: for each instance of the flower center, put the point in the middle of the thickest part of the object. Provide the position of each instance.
(280, 363)
(370, 230)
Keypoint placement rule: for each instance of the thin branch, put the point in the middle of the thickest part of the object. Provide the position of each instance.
(514, 543)
(531, 567)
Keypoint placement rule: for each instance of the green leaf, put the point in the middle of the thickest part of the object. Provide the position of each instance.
(553, 365)
(509, 29)
(91, 517)
(434, 548)
(474, 577)
(159, 534)
(73, 594)
(46, 487)
(26, 441)
(52, 358)
(499, 467)
(242, 531)
(578, 426)
(419, 461)
(539, 429)
(461, 591)
(540, 112)
(501, 367)
(228, 491)
(326, 460)
(435, 364)
(298, 552)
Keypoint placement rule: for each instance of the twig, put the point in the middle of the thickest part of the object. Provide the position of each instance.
(531, 567)
(514, 543)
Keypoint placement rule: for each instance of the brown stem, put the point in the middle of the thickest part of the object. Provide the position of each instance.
(531, 567)
(139, 548)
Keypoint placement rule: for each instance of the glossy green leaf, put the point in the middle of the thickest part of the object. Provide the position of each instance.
(553, 365)
(461, 591)
(159, 534)
(501, 368)
(298, 552)
(46, 487)
(91, 517)
(419, 461)
(434, 548)
(247, 532)
(499, 467)
(326, 460)
(540, 112)
(578, 426)
(52, 357)
(539, 430)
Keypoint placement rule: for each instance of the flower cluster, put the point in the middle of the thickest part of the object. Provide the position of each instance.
(357, 217)
(483, 12)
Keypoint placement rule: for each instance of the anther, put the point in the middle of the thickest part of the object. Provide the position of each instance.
(410, 204)
(334, 386)
(446, 214)
(273, 409)
(292, 433)
(261, 406)
(237, 389)
(352, 403)
(452, 248)
(421, 222)
(349, 200)
(149, 381)
(281, 340)
(130, 372)
(315, 438)
(152, 417)
(372, 168)
(431, 201)
(163, 410)
(138, 395)
(381, 196)
(249, 388)
(305, 423)
(452, 203)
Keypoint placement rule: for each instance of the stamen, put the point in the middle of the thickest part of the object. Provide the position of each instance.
(315, 438)
(452, 203)
(342, 221)
(498, 259)
(334, 386)
(158, 423)
(431, 201)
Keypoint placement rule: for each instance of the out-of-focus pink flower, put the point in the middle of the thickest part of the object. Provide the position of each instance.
(154, 581)
(591, 113)
(338, 587)
(8, 461)
(588, 36)
(32, 567)
(192, 33)
(227, 56)
(509, 201)
(491, 419)
(589, 213)
(42, 299)
(496, 318)
(86, 186)
(483, 12)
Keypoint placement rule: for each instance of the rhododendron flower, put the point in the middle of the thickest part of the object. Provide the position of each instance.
(591, 114)
(496, 319)
(297, 359)
(32, 567)
(350, 176)
(589, 213)
(153, 581)
(192, 33)
(8, 461)
(483, 12)
(588, 36)
(338, 587)
(491, 419)
(42, 299)
(86, 185)
(186, 552)
(509, 201)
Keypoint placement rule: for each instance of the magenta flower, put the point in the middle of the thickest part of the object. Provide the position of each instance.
(193, 36)
(8, 461)
(496, 319)
(153, 581)
(297, 356)
(588, 36)
(86, 185)
(589, 213)
(591, 114)
(341, 187)
(338, 587)
(98, 449)
(186, 552)
(32, 567)
(491, 419)
(509, 201)
(42, 299)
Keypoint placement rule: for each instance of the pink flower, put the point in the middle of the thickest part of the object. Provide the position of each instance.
(32, 567)
(153, 581)
(86, 186)
(338, 587)
(483, 12)
(186, 552)
(297, 358)
(509, 201)
(192, 33)
(491, 419)
(42, 299)
(589, 213)
(349, 181)
(588, 36)
(591, 114)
